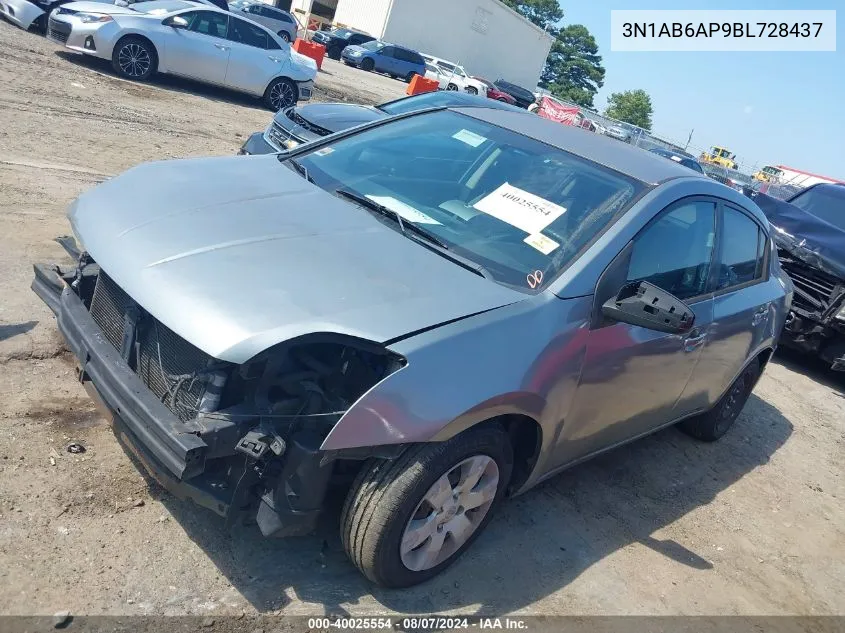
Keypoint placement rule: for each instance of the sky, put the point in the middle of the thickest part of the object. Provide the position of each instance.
(769, 108)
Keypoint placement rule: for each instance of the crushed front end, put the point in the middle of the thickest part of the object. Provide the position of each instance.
(237, 439)
(816, 322)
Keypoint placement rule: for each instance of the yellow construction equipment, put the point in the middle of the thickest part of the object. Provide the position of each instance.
(719, 156)
(768, 174)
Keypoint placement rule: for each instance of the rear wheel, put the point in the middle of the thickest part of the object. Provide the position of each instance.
(368, 64)
(452, 87)
(280, 94)
(713, 424)
(285, 36)
(410, 76)
(406, 520)
(472, 90)
(134, 58)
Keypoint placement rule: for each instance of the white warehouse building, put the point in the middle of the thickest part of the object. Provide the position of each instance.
(487, 38)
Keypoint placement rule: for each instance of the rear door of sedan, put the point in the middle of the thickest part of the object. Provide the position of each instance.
(255, 57)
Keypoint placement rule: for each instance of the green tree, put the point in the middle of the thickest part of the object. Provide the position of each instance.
(631, 106)
(573, 69)
(544, 13)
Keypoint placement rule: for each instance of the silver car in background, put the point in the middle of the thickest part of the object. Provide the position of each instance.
(280, 22)
(433, 310)
(187, 39)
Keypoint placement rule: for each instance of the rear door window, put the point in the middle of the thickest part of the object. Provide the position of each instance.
(210, 23)
(742, 252)
(247, 33)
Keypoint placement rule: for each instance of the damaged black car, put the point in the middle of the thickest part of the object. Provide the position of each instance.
(810, 237)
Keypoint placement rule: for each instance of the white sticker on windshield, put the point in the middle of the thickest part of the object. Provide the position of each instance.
(677, 159)
(406, 211)
(325, 151)
(470, 138)
(520, 208)
(542, 243)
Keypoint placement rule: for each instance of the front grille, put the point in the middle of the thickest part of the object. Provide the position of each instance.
(58, 36)
(814, 289)
(277, 135)
(171, 368)
(294, 116)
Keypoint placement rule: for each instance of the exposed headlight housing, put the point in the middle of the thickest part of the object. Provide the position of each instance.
(291, 144)
(841, 313)
(89, 18)
(355, 54)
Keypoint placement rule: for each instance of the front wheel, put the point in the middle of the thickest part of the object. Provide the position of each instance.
(368, 64)
(280, 94)
(406, 520)
(713, 424)
(285, 36)
(410, 76)
(134, 58)
(452, 87)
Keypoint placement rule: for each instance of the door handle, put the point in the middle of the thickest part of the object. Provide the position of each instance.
(694, 339)
(275, 60)
(221, 47)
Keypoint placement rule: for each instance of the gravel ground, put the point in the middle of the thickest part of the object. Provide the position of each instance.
(752, 525)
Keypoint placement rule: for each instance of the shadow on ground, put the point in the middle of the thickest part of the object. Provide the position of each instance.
(10, 330)
(556, 531)
(813, 367)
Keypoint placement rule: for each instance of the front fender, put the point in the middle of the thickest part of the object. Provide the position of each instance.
(522, 358)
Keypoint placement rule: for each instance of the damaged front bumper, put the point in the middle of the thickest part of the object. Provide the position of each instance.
(219, 462)
(825, 340)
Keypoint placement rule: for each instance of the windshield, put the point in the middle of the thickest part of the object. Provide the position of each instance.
(372, 46)
(342, 33)
(772, 171)
(519, 208)
(825, 202)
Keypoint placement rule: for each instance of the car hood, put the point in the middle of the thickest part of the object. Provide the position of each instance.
(236, 254)
(100, 7)
(333, 117)
(805, 236)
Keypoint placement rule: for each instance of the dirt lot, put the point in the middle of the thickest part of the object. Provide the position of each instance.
(753, 524)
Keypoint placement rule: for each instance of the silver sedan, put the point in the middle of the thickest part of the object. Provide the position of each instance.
(189, 40)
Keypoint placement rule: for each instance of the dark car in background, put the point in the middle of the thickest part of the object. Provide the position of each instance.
(494, 93)
(382, 57)
(810, 238)
(294, 126)
(687, 160)
(338, 39)
(780, 191)
(522, 96)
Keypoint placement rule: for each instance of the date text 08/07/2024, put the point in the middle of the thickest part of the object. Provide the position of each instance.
(418, 623)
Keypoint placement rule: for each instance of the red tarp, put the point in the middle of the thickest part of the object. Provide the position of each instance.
(549, 109)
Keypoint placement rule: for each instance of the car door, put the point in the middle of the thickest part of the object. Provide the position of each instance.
(743, 312)
(385, 61)
(255, 57)
(200, 50)
(633, 378)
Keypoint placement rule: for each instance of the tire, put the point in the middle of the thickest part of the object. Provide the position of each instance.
(472, 90)
(387, 495)
(452, 87)
(280, 94)
(713, 424)
(285, 36)
(134, 58)
(367, 64)
(410, 76)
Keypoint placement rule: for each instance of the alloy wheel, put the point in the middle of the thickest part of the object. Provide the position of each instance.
(281, 95)
(449, 513)
(134, 60)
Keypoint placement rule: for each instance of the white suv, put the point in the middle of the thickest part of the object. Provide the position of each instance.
(454, 77)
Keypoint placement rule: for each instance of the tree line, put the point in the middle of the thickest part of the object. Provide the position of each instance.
(574, 70)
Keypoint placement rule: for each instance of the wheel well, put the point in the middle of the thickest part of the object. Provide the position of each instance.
(763, 358)
(526, 437)
(135, 36)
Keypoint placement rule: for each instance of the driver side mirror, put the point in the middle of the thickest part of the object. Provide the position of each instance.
(176, 21)
(644, 304)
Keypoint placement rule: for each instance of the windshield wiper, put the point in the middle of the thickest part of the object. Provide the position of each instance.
(429, 240)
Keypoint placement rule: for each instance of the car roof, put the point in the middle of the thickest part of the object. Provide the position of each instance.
(626, 159)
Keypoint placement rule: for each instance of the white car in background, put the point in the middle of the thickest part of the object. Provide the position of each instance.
(280, 22)
(183, 38)
(454, 77)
